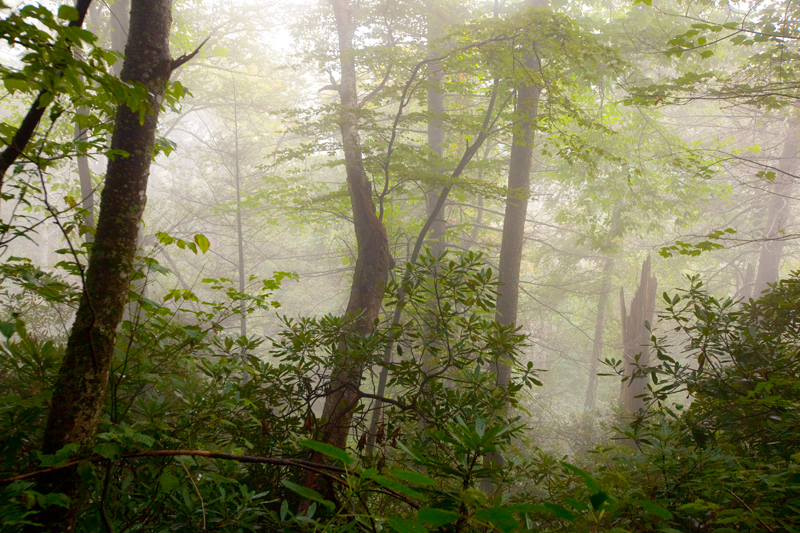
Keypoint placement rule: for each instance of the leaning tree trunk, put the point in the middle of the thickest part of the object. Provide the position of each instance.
(82, 381)
(373, 262)
(636, 339)
(599, 327)
(771, 252)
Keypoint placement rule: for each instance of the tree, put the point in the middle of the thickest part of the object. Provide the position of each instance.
(778, 212)
(636, 327)
(374, 260)
(519, 185)
(80, 390)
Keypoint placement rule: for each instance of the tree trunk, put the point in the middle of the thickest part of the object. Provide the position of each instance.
(239, 232)
(519, 189)
(374, 260)
(599, 327)
(81, 386)
(771, 252)
(519, 185)
(436, 237)
(636, 339)
(119, 22)
(85, 176)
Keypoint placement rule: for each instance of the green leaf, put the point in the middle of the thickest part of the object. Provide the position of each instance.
(598, 499)
(369, 473)
(412, 477)
(560, 512)
(328, 450)
(108, 450)
(500, 517)
(308, 494)
(69, 13)
(384, 481)
(401, 525)
(653, 508)
(202, 242)
(7, 329)
(13, 84)
(589, 480)
(54, 498)
(527, 508)
(436, 517)
(169, 482)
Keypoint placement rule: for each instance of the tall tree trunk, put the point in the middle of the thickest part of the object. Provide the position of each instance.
(519, 185)
(374, 260)
(119, 22)
(636, 339)
(519, 188)
(239, 233)
(436, 237)
(82, 381)
(771, 252)
(599, 327)
(85, 176)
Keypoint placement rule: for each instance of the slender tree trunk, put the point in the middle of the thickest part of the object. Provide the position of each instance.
(778, 215)
(599, 327)
(239, 234)
(85, 176)
(77, 402)
(374, 260)
(437, 208)
(636, 339)
(519, 185)
(119, 22)
(436, 237)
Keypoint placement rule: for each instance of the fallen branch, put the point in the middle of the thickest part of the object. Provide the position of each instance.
(298, 463)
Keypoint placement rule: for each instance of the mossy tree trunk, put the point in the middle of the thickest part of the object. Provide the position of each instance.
(80, 390)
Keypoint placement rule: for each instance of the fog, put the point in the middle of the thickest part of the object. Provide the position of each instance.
(598, 157)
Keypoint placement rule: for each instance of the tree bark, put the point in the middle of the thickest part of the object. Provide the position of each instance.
(599, 327)
(636, 339)
(771, 252)
(374, 260)
(82, 382)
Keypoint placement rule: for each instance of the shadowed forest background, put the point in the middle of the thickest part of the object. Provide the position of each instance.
(399, 265)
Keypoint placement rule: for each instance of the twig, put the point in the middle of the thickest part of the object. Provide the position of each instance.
(202, 505)
(187, 57)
